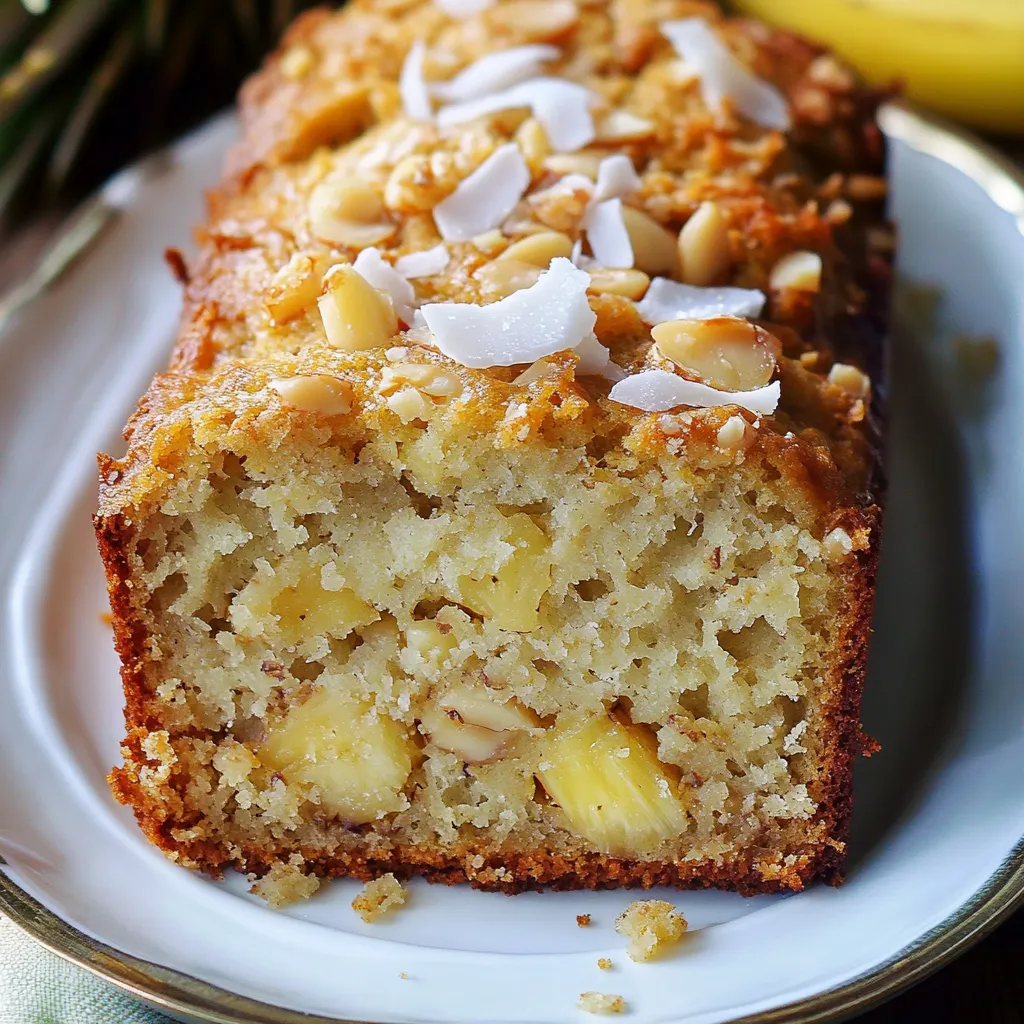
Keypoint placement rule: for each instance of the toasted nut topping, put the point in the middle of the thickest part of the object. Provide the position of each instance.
(408, 405)
(799, 271)
(428, 378)
(535, 371)
(654, 248)
(443, 385)
(535, 21)
(295, 287)
(561, 208)
(850, 379)
(622, 126)
(839, 212)
(733, 433)
(539, 249)
(533, 144)
(585, 162)
(489, 241)
(866, 187)
(502, 277)
(355, 314)
(315, 392)
(827, 71)
(296, 62)
(632, 283)
(726, 351)
(704, 245)
(352, 215)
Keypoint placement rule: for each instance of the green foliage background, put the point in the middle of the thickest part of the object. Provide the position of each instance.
(86, 85)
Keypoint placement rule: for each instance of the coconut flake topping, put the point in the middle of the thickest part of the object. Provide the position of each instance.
(374, 269)
(484, 199)
(670, 300)
(412, 85)
(549, 316)
(616, 176)
(723, 76)
(561, 107)
(607, 234)
(595, 359)
(463, 8)
(495, 71)
(425, 263)
(659, 391)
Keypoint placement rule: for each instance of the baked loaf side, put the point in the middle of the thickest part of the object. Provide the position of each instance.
(460, 538)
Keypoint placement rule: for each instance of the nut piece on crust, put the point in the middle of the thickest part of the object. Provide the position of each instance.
(652, 926)
(286, 882)
(379, 897)
(601, 1004)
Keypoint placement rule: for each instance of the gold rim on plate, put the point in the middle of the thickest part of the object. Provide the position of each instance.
(182, 995)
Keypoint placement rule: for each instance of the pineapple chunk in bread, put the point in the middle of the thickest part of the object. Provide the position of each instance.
(385, 606)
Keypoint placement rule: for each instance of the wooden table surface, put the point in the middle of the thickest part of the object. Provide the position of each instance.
(984, 986)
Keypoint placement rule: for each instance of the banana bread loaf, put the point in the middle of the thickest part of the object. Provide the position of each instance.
(510, 508)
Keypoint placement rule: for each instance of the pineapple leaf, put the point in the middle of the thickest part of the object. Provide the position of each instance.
(85, 111)
(70, 29)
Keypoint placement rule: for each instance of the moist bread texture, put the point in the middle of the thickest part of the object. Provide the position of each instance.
(379, 611)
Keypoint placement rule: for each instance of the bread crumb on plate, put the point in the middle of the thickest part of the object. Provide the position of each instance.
(599, 1003)
(286, 882)
(379, 897)
(652, 926)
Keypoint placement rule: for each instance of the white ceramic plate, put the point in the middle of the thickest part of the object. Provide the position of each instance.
(937, 853)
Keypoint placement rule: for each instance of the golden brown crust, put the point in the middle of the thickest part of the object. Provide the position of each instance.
(822, 444)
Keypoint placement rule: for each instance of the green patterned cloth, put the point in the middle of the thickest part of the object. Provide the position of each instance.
(37, 987)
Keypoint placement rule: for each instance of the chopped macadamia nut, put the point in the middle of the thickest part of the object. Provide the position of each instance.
(379, 897)
(408, 405)
(654, 248)
(732, 433)
(315, 392)
(601, 1004)
(799, 272)
(628, 282)
(295, 287)
(536, 21)
(296, 62)
(355, 314)
(652, 926)
(539, 249)
(850, 379)
(704, 245)
(725, 351)
(350, 214)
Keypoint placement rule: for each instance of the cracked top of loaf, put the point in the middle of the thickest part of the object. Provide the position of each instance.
(324, 124)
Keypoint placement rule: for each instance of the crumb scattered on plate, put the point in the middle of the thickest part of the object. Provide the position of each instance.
(583, 920)
(598, 1002)
(604, 963)
(379, 897)
(286, 882)
(652, 926)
